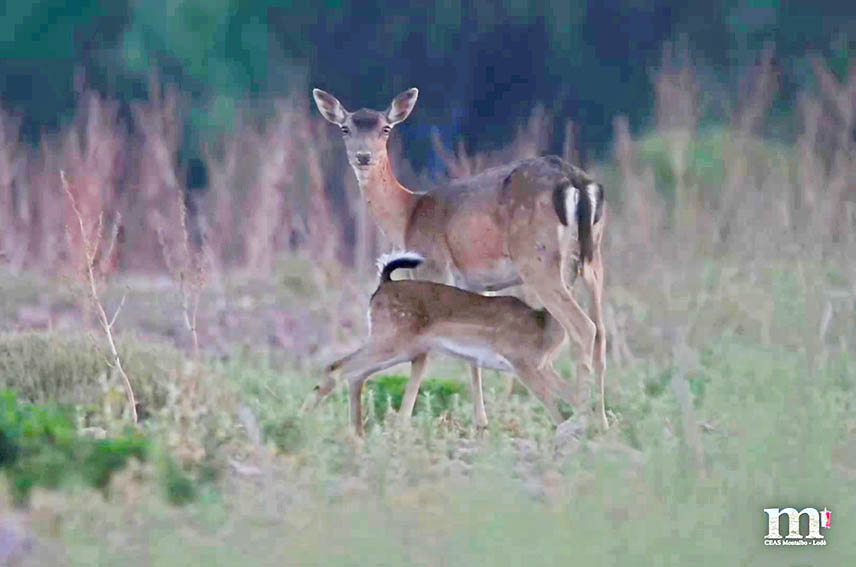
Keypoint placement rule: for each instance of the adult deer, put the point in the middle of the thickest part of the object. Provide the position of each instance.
(502, 227)
(409, 318)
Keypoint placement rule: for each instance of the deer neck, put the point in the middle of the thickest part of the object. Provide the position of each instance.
(389, 201)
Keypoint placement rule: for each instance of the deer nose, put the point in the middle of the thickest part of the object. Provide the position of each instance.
(363, 158)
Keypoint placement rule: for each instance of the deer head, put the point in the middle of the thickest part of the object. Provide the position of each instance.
(365, 131)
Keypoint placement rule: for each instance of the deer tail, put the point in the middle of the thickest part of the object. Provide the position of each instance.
(586, 206)
(388, 263)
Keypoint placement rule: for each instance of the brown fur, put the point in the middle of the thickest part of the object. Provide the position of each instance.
(412, 318)
(487, 231)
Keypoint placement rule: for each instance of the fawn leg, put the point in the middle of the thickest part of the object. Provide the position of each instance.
(417, 370)
(356, 368)
(479, 413)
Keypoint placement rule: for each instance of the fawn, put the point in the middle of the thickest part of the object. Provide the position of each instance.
(409, 318)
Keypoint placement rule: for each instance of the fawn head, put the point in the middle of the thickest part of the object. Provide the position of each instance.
(365, 131)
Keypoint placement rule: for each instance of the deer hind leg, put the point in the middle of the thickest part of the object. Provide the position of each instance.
(593, 276)
(576, 323)
(544, 278)
(535, 247)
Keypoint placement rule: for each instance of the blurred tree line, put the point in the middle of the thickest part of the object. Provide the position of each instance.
(480, 65)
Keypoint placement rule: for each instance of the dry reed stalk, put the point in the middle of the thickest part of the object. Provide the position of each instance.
(530, 140)
(810, 170)
(455, 166)
(91, 241)
(155, 178)
(12, 161)
(644, 208)
(840, 102)
(91, 151)
(266, 198)
(533, 138)
(735, 209)
(676, 110)
(187, 266)
(217, 206)
(45, 235)
(570, 151)
(280, 174)
(323, 232)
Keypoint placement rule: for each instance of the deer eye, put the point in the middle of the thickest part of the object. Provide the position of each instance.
(386, 129)
(345, 130)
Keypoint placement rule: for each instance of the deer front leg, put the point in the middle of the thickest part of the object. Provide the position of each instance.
(325, 386)
(547, 285)
(535, 248)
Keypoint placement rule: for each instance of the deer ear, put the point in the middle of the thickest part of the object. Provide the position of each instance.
(330, 107)
(401, 106)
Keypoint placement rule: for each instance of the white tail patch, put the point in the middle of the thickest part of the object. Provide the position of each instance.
(591, 189)
(572, 198)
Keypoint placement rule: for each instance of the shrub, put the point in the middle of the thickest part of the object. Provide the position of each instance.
(178, 485)
(44, 366)
(286, 434)
(39, 446)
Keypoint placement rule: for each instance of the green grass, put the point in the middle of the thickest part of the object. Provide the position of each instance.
(39, 446)
(438, 493)
(259, 483)
(435, 395)
(399, 498)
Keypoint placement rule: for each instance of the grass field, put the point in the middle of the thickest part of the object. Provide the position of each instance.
(731, 382)
(747, 404)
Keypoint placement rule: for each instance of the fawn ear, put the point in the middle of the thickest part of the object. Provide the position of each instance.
(401, 106)
(330, 107)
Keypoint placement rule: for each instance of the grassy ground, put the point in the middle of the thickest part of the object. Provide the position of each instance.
(735, 392)
(731, 318)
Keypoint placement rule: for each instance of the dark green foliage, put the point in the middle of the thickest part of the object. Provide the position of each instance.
(178, 485)
(698, 385)
(109, 455)
(655, 385)
(473, 60)
(39, 446)
(566, 409)
(286, 434)
(389, 389)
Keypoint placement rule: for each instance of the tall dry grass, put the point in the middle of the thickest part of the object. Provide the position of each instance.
(280, 186)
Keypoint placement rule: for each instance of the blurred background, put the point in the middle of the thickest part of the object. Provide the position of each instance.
(210, 235)
(186, 83)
